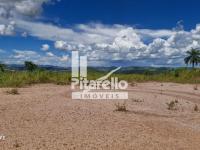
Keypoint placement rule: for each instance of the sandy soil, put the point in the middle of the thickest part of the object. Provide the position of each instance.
(44, 117)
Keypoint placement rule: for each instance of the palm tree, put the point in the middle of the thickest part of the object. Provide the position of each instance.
(2, 67)
(193, 57)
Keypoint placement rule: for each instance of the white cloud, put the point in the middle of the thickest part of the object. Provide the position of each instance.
(113, 43)
(50, 54)
(20, 8)
(7, 29)
(62, 45)
(26, 54)
(155, 33)
(19, 56)
(64, 58)
(24, 34)
(45, 47)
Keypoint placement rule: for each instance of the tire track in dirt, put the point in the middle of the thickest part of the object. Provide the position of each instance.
(147, 114)
(168, 93)
(181, 92)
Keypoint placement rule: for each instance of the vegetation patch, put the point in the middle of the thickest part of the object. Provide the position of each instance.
(172, 105)
(121, 107)
(195, 87)
(137, 100)
(13, 91)
(196, 108)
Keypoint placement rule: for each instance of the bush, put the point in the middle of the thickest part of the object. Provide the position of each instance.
(2, 67)
(172, 105)
(176, 74)
(30, 66)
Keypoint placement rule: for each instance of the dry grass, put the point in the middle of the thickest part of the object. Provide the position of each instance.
(13, 91)
(137, 100)
(172, 105)
(133, 84)
(121, 107)
(195, 87)
(16, 144)
(196, 108)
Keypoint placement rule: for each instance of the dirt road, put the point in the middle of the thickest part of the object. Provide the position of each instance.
(43, 117)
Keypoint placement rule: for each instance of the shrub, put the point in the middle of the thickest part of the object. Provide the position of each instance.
(121, 107)
(172, 105)
(196, 108)
(2, 67)
(176, 74)
(30, 66)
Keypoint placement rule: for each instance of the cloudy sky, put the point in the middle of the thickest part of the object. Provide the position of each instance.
(120, 32)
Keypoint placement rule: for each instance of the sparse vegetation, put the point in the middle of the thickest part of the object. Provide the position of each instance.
(172, 105)
(137, 100)
(133, 84)
(13, 91)
(16, 145)
(121, 107)
(176, 101)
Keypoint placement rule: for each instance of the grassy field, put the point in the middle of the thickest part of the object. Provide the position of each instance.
(23, 78)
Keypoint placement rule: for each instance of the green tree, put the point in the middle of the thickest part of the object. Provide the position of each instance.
(30, 66)
(2, 67)
(193, 57)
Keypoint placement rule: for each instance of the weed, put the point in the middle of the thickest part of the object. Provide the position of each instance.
(172, 105)
(196, 108)
(13, 92)
(137, 100)
(16, 145)
(133, 84)
(121, 107)
(176, 101)
(195, 87)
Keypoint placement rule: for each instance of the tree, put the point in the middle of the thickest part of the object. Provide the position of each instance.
(193, 57)
(30, 66)
(2, 67)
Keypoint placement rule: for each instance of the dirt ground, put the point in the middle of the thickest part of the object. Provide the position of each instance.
(43, 117)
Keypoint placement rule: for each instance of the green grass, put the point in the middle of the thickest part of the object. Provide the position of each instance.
(177, 76)
(23, 78)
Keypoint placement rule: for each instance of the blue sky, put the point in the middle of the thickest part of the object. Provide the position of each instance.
(154, 14)
(121, 32)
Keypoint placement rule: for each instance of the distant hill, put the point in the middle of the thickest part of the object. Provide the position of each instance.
(46, 67)
(137, 70)
(123, 70)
